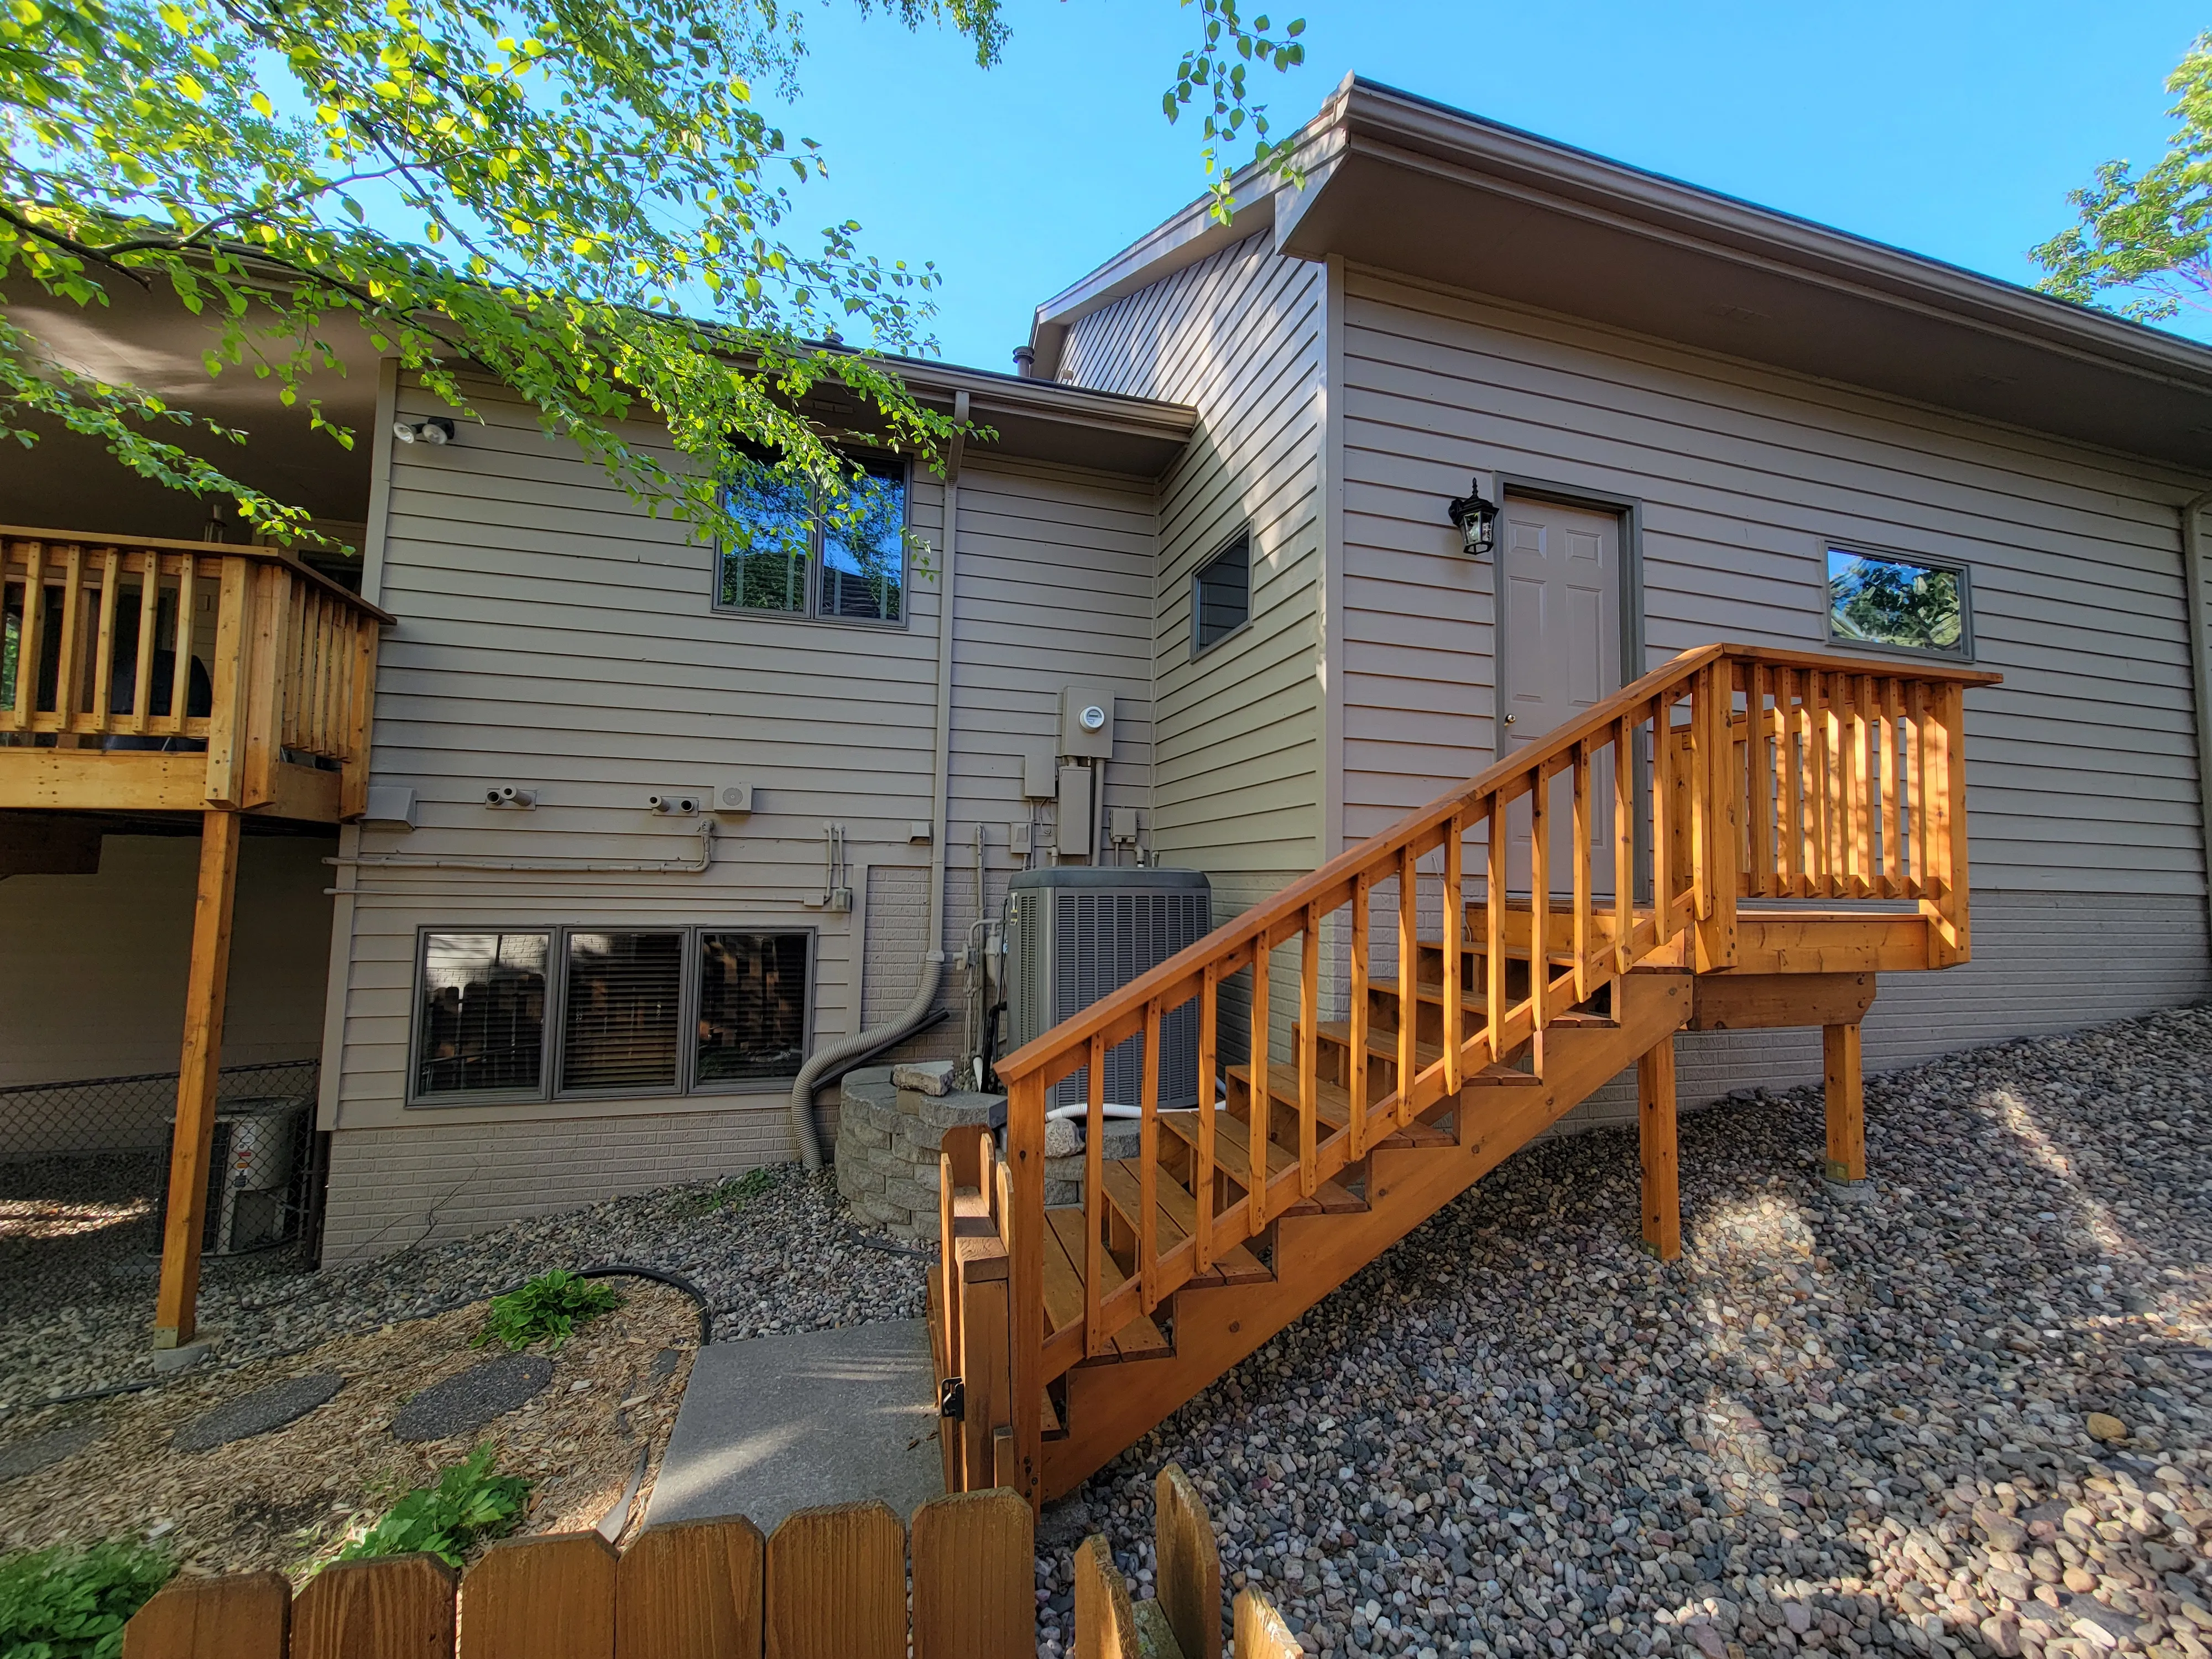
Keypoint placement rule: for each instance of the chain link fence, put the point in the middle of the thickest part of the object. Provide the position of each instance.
(105, 1140)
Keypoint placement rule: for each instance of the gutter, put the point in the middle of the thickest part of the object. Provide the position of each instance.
(844, 1052)
(2200, 670)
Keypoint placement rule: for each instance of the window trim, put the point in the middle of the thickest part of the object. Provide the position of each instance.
(552, 1087)
(1243, 533)
(812, 613)
(1964, 652)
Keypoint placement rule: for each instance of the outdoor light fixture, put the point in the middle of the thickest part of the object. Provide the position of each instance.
(1476, 521)
(435, 431)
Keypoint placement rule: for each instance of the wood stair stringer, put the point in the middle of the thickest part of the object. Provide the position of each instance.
(1110, 1407)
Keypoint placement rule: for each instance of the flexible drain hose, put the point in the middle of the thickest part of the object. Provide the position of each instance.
(860, 1042)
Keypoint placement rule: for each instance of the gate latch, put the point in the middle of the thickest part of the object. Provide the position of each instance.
(952, 1399)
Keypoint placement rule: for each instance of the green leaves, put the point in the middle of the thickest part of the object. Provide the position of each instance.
(550, 1306)
(2139, 243)
(66, 1603)
(1215, 70)
(468, 1505)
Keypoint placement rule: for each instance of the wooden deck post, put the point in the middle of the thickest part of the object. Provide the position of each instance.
(1655, 1112)
(194, 1141)
(1845, 1088)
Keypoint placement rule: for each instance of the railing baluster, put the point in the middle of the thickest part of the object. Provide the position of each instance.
(1582, 828)
(1663, 817)
(1839, 830)
(1789, 815)
(1493, 930)
(69, 651)
(1209, 1039)
(1862, 782)
(1362, 890)
(23, 696)
(1148, 1169)
(1539, 906)
(1916, 786)
(1624, 841)
(1094, 1200)
(150, 612)
(1454, 976)
(1893, 811)
(1409, 974)
(180, 669)
(1757, 775)
(1309, 1052)
(103, 651)
(1259, 1120)
(1701, 794)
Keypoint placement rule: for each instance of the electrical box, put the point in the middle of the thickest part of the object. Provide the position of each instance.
(1018, 838)
(733, 797)
(1120, 823)
(1040, 773)
(1087, 723)
(1075, 813)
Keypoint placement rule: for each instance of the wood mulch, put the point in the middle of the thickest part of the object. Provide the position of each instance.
(289, 1499)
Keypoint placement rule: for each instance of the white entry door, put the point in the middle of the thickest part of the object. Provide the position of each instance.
(1558, 647)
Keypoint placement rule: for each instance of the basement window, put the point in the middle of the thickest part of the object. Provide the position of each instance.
(1221, 594)
(480, 1027)
(644, 1012)
(1895, 603)
(802, 558)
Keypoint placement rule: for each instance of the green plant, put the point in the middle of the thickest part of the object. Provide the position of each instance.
(469, 1504)
(65, 1603)
(550, 1305)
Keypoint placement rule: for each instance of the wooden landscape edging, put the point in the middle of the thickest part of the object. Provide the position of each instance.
(828, 1583)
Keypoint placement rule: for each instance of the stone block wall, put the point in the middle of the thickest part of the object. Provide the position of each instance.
(888, 1137)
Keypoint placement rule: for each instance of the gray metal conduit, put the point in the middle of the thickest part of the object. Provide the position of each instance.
(909, 1018)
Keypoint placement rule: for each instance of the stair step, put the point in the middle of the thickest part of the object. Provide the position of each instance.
(1177, 1219)
(1474, 1009)
(1064, 1258)
(1383, 1045)
(1232, 1156)
(1332, 1105)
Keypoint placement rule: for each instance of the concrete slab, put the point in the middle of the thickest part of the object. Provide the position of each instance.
(783, 1423)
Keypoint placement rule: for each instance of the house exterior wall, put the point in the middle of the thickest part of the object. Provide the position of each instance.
(93, 967)
(555, 636)
(2087, 849)
(1240, 745)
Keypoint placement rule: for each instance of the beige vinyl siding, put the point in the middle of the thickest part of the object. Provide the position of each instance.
(555, 636)
(1238, 789)
(2082, 765)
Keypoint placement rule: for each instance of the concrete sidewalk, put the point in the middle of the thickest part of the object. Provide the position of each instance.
(783, 1423)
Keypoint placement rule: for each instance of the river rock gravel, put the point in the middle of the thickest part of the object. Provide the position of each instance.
(774, 1250)
(1842, 1423)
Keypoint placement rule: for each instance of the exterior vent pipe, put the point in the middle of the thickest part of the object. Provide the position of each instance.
(910, 1018)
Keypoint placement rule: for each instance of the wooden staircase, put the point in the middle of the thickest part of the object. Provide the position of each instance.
(1784, 828)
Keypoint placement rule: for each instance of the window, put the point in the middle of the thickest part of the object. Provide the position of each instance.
(620, 1012)
(1221, 594)
(1905, 605)
(481, 1027)
(803, 561)
(665, 1011)
(752, 1006)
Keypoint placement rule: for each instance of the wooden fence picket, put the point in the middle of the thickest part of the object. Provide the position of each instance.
(837, 1584)
(541, 1598)
(974, 1565)
(1261, 1632)
(691, 1590)
(1187, 1564)
(248, 1617)
(1105, 1619)
(398, 1607)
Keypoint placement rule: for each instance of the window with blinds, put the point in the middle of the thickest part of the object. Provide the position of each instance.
(622, 1012)
(752, 1007)
(481, 1025)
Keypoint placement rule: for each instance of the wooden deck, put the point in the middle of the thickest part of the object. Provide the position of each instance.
(1788, 828)
(147, 676)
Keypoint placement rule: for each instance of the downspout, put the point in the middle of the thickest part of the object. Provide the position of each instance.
(2200, 672)
(932, 959)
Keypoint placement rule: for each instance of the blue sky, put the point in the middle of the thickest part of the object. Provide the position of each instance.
(1952, 129)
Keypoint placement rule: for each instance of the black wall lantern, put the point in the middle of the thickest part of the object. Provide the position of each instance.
(1476, 521)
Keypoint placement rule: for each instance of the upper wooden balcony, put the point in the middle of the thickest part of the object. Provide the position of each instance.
(265, 708)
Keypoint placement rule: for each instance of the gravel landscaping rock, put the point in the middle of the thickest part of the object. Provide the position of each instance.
(461, 1405)
(259, 1412)
(1833, 1426)
(774, 1254)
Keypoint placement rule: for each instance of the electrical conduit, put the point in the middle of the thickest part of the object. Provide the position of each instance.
(933, 961)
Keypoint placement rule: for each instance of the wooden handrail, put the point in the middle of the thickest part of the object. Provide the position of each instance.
(1732, 771)
(288, 670)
